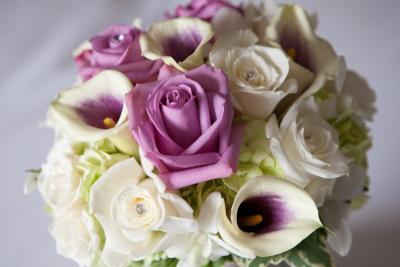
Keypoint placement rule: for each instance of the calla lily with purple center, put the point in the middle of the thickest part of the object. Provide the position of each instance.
(294, 30)
(269, 216)
(95, 110)
(177, 42)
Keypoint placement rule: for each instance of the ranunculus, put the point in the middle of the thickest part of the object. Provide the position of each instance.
(134, 215)
(59, 182)
(76, 236)
(117, 47)
(184, 126)
(260, 76)
(305, 145)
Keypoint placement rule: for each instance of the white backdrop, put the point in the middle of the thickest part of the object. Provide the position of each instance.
(37, 38)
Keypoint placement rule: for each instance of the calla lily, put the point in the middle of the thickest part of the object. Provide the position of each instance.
(269, 216)
(294, 30)
(178, 42)
(95, 110)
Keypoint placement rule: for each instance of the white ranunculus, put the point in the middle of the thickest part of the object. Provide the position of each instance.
(134, 215)
(59, 181)
(76, 236)
(305, 145)
(269, 216)
(260, 76)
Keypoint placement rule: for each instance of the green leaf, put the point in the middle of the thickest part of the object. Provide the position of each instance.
(311, 252)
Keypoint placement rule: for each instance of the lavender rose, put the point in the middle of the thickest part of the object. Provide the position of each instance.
(118, 48)
(203, 9)
(184, 126)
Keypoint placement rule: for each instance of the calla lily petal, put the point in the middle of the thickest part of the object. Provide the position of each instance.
(93, 110)
(178, 42)
(269, 216)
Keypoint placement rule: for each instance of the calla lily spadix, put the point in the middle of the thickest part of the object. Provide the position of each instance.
(95, 110)
(269, 216)
(178, 42)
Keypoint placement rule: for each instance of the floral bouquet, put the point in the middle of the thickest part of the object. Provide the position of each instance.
(222, 136)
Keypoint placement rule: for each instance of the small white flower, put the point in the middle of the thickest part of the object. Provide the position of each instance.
(203, 244)
(336, 210)
(76, 236)
(305, 145)
(59, 181)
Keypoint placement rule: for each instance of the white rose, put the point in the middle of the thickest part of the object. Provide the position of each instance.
(260, 76)
(305, 145)
(76, 236)
(133, 213)
(59, 181)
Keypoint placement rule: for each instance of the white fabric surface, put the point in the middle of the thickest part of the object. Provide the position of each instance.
(37, 38)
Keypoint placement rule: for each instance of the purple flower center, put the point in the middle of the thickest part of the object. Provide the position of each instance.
(181, 46)
(102, 113)
(262, 214)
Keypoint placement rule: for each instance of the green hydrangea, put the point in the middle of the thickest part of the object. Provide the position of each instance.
(95, 159)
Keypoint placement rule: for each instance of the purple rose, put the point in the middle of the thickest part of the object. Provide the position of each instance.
(203, 9)
(184, 126)
(117, 48)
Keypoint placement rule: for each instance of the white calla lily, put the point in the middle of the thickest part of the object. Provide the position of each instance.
(305, 145)
(269, 216)
(94, 110)
(178, 42)
(294, 30)
(133, 214)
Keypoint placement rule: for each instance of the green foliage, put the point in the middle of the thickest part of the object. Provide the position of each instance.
(95, 159)
(195, 195)
(311, 252)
